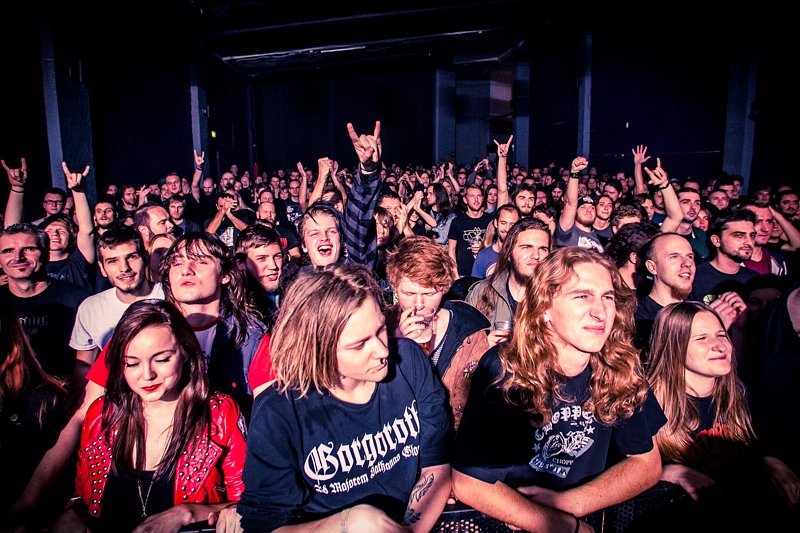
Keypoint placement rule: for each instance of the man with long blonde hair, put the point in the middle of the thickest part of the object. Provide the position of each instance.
(547, 413)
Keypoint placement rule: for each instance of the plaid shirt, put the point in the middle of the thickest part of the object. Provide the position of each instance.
(359, 230)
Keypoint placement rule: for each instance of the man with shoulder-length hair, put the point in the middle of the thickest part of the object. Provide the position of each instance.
(548, 413)
(527, 244)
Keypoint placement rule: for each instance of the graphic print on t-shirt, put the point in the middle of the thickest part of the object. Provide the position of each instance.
(565, 438)
(365, 457)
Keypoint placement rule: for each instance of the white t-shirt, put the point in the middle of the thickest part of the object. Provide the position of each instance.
(98, 315)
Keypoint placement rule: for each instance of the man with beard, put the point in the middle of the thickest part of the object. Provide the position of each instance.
(150, 220)
(669, 259)
(527, 244)
(260, 255)
(105, 214)
(574, 227)
(732, 232)
(467, 231)
(525, 199)
(764, 260)
(486, 260)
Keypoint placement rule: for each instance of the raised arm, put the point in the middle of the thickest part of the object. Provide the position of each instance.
(324, 166)
(660, 180)
(502, 171)
(570, 209)
(338, 183)
(792, 234)
(363, 198)
(303, 187)
(639, 158)
(18, 178)
(76, 182)
(452, 178)
(416, 205)
(199, 162)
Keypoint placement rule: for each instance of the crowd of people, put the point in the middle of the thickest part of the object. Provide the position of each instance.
(353, 349)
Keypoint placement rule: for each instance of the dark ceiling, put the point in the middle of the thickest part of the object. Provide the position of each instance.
(261, 37)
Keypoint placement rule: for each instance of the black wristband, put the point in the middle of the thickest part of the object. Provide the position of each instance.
(661, 188)
(577, 524)
(20, 191)
(574, 175)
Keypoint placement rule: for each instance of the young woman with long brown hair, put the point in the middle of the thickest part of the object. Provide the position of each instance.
(708, 445)
(159, 450)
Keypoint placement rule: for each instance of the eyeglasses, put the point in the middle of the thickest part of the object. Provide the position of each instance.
(54, 202)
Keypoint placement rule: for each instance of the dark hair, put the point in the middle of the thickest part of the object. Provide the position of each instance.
(42, 240)
(628, 240)
(524, 187)
(627, 210)
(684, 190)
(56, 190)
(725, 216)
(614, 182)
(726, 180)
(107, 199)
(487, 302)
(234, 300)
(780, 195)
(117, 235)
(443, 205)
(122, 408)
(254, 236)
(175, 198)
(548, 209)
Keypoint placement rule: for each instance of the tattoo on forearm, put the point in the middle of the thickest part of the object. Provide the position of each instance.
(411, 517)
(420, 489)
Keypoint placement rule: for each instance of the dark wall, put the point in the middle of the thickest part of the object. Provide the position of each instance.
(303, 119)
(137, 74)
(23, 133)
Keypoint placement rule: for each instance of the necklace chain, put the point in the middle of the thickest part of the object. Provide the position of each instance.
(144, 500)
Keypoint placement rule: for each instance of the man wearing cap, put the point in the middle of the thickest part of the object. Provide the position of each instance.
(574, 227)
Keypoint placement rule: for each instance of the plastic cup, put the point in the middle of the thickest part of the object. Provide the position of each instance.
(503, 325)
(425, 316)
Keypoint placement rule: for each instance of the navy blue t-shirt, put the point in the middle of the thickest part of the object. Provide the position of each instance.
(496, 441)
(310, 457)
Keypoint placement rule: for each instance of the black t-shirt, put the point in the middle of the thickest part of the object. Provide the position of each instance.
(464, 230)
(496, 441)
(310, 457)
(47, 319)
(644, 316)
(74, 269)
(710, 281)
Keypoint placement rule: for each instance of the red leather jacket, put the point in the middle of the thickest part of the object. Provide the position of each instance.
(210, 473)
